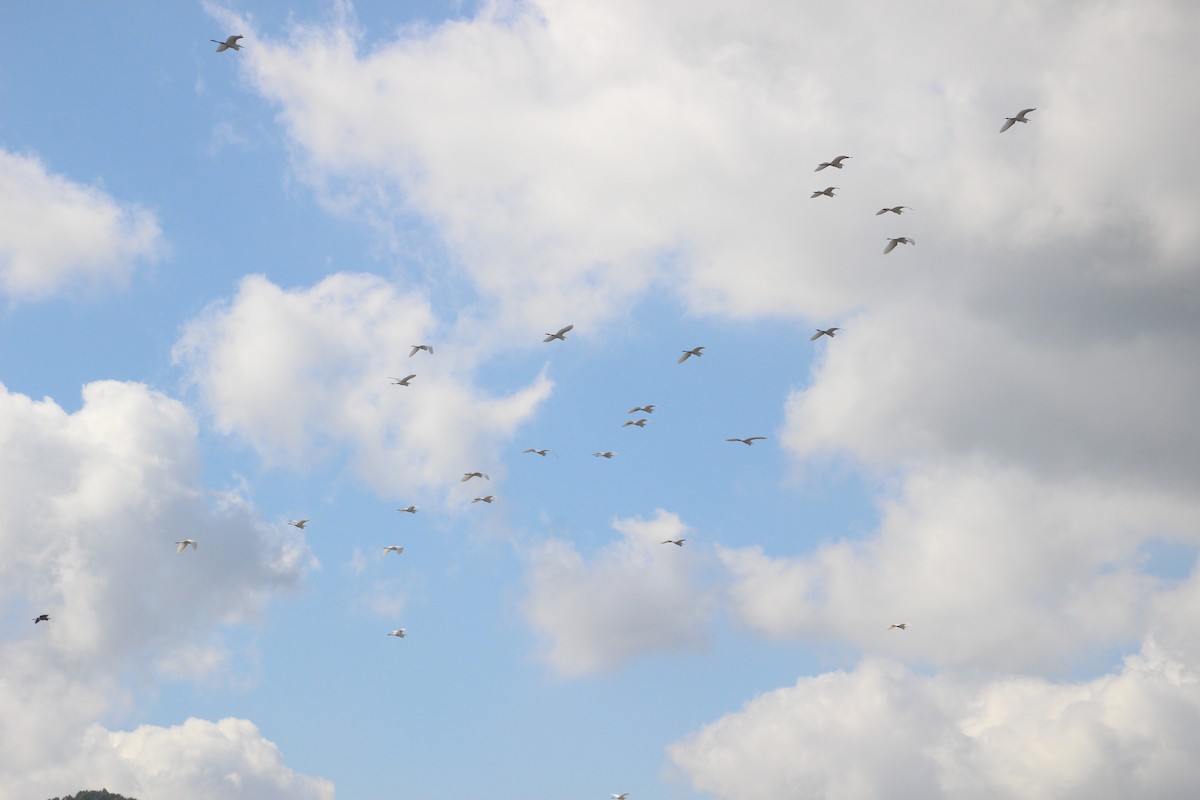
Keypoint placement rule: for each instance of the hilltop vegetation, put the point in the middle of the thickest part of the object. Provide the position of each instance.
(94, 794)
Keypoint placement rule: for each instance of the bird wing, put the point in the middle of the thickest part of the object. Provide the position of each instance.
(823, 165)
(415, 350)
(686, 355)
(564, 330)
(816, 336)
(1007, 124)
(182, 546)
(882, 211)
(408, 378)
(890, 246)
(756, 438)
(1025, 111)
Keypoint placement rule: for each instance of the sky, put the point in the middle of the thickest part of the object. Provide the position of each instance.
(214, 265)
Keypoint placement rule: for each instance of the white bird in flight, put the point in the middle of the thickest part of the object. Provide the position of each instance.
(648, 409)
(676, 542)
(401, 381)
(1008, 121)
(398, 633)
(407, 510)
(183, 545)
(541, 453)
(837, 163)
(827, 191)
(416, 348)
(393, 548)
(468, 475)
(891, 245)
(620, 796)
(639, 423)
(487, 498)
(749, 441)
(901, 625)
(695, 351)
(893, 209)
(299, 523)
(229, 44)
(560, 336)
(830, 332)
(605, 454)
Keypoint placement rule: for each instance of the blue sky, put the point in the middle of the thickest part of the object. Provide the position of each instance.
(211, 263)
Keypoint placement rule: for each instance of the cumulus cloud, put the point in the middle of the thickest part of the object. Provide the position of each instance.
(56, 234)
(197, 760)
(91, 504)
(302, 373)
(635, 596)
(883, 730)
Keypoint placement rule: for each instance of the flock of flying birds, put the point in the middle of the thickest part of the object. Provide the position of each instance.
(231, 43)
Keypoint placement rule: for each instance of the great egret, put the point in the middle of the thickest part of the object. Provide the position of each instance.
(695, 351)
(487, 498)
(605, 454)
(468, 475)
(407, 510)
(402, 381)
(639, 423)
(893, 209)
(837, 163)
(648, 409)
(1008, 121)
(749, 441)
(827, 191)
(183, 545)
(398, 633)
(299, 523)
(541, 453)
(676, 542)
(830, 332)
(560, 336)
(228, 44)
(891, 245)
(393, 548)
(416, 348)
(41, 618)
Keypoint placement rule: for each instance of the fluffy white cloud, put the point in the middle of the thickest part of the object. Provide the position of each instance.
(635, 596)
(56, 234)
(197, 760)
(299, 373)
(91, 504)
(882, 730)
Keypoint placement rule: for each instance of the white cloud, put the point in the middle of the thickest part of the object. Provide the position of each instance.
(882, 730)
(302, 373)
(197, 760)
(91, 504)
(56, 234)
(636, 596)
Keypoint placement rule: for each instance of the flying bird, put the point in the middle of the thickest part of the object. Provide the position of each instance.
(748, 441)
(827, 191)
(648, 409)
(41, 618)
(541, 453)
(416, 348)
(676, 542)
(1008, 121)
(605, 454)
(393, 548)
(893, 209)
(398, 633)
(229, 44)
(695, 351)
(640, 423)
(468, 475)
(487, 498)
(183, 545)
(299, 523)
(560, 336)
(830, 332)
(620, 796)
(901, 625)
(407, 510)
(837, 163)
(891, 245)
(402, 381)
